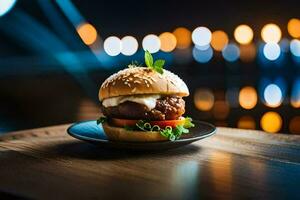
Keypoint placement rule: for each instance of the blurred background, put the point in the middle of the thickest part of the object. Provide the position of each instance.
(240, 59)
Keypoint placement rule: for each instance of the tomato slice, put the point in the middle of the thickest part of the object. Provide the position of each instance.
(162, 124)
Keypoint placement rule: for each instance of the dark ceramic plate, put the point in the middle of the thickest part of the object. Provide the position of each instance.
(91, 132)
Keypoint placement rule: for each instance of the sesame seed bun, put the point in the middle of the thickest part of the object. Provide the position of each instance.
(121, 134)
(142, 80)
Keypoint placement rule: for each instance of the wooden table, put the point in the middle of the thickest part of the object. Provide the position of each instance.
(47, 163)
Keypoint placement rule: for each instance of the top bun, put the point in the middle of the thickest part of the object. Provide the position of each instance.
(142, 80)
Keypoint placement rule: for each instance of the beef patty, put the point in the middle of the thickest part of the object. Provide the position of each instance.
(167, 108)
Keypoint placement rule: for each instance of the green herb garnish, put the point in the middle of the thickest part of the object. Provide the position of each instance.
(154, 65)
(101, 120)
(168, 132)
(188, 123)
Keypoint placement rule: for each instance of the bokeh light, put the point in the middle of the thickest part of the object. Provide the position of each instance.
(271, 51)
(295, 95)
(295, 47)
(247, 52)
(6, 5)
(202, 56)
(183, 36)
(167, 42)
(87, 33)
(221, 109)
(294, 27)
(243, 34)
(112, 46)
(246, 122)
(248, 97)
(284, 45)
(232, 97)
(183, 56)
(201, 36)
(204, 99)
(294, 125)
(151, 43)
(231, 52)
(271, 33)
(219, 40)
(273, 96)
(129, 45)
(271, 122)
(202, 48)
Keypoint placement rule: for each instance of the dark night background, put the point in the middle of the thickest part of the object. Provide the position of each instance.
(40, 84)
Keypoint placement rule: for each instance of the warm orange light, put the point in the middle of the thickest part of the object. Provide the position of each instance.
(294, 125)
(246, 122)
(295, 103)
(271, 122)
(294, 28)
(168, 41)
(183, 36)
(87, 33)
(271, 33)
(219, 40)
(243, 34)
(248, 97)
(247, 52)
(221, 109)
(203, 99)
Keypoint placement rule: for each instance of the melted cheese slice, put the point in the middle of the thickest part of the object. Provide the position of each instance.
(148, 100)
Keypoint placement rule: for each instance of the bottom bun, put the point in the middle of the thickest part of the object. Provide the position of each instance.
(121, 134)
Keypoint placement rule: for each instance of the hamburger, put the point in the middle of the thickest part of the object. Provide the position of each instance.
(144, 104)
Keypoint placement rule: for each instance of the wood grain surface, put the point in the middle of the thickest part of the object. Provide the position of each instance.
(46, 163)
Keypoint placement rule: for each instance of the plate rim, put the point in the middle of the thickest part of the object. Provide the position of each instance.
(88, 139)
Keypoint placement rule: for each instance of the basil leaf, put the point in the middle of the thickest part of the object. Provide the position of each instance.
(148, 59)
(159, 70)
(159, 63)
